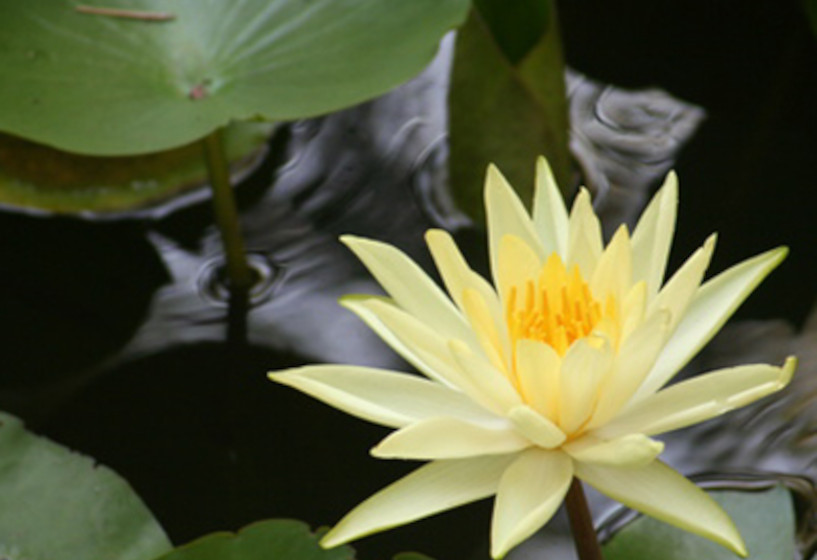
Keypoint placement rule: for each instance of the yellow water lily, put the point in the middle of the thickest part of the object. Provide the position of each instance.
(557, 370)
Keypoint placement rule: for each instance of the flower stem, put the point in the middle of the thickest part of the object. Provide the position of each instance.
(581, 523)
(224, 208)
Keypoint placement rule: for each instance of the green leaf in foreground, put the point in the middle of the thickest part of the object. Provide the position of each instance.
(765, 520)
(412, 556)
(283, 539)
(104, 85)
(58, 505)
(36, 177)
(506, 110)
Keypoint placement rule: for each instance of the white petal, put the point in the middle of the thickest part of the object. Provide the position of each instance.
(613, 273)
(410, 287)
(632, 450)
(536, 427)
(584, 238)
(380, 396)
(652, 236)
(701, 398)
(679, 291)
(583, 368)
(506, 215)
(456, 273)
(530, 492)
(537, 368)
(714, 303)
(661, 492)
(449, 438)
(634, 361)
(432, 488)
(415, 342)
(549, 211)
(491, 385)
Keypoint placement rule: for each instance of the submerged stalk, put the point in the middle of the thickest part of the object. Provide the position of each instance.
(581, 523)
(224, 208)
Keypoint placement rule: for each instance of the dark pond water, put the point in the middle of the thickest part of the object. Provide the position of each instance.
(114, 335)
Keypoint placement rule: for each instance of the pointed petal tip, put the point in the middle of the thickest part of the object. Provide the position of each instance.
(493, 177)
(787, 371)
(671, 181)
(711, 241)
(779, 253)
(331, 539)
(284, 377)
(348, 239)
(543, 165)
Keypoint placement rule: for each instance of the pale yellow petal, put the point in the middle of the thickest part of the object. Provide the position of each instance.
(536, 427)
(537, 369)
(506, 215)
(381, 396)
(701, 398)
(714, 303)
(634, 361)
(549, 211)
(417, 343)
(632, 450)
(652, 237)
(518, 264)
(449, 438)
(679, 291)
(613, 274)
(583, 368)
(530, 492)
(435, 487)
(409, 286)
(584, 238)
(661, 492)
(456, 273)
(633, 309)
(490, 331)
(487, 383)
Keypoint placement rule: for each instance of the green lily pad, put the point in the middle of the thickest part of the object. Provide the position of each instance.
(58, 505)
(507, 101)
(35, 177)
(412, 556)
(264, 540)
(765, 520)
(107, 84)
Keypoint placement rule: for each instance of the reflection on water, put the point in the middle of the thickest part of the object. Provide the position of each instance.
(625, 140)
(221, 446)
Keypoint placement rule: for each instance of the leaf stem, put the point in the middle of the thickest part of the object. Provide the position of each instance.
(226, 214)
(581, 523)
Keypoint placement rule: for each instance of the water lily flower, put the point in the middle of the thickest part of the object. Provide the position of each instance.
(556, 370)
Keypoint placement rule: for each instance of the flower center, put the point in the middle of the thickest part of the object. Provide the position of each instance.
(556, 307)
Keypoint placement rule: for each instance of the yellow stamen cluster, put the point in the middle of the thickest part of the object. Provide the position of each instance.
(556, 308)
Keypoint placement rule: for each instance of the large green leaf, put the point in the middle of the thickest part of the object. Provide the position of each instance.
(274, 539)
(764, 519)
(58, 505)
(507, 102)
(37, 177)
(105, 85)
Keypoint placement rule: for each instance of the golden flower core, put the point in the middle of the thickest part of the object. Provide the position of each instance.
(556, 307)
